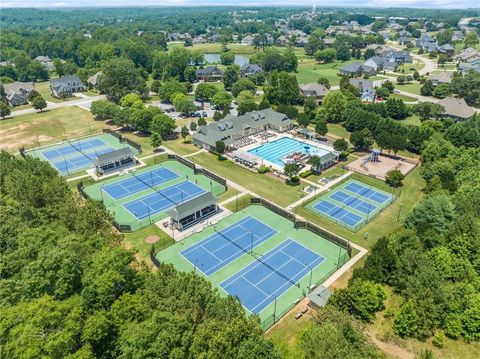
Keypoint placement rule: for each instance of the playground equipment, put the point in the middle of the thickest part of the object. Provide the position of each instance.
(372, 158)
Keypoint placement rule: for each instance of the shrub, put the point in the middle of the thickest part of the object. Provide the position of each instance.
(439, 339)
(344, 155)
(263, 169)
(394, 178)
(305, 174)
(294, 181)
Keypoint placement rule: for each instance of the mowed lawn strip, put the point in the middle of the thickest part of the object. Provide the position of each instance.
(270, 188)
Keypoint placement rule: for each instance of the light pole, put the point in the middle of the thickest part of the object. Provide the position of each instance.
(399, 209)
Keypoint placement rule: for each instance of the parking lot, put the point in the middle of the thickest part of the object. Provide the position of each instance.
(207, 109)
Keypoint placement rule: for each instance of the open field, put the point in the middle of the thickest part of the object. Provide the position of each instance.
(310, 71)
(47, 127)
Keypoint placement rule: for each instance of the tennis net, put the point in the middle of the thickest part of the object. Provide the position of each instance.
(256, 257)
(183, 194)
(79, 150)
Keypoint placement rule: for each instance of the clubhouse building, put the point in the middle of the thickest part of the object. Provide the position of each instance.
(232, 129)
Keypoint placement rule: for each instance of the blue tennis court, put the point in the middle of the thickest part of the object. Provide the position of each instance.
(338, 213)
(258, 284)
(228, 244)
(163, 199)
(353, 202)
(367, 192)
(138, 183)
(76, 155)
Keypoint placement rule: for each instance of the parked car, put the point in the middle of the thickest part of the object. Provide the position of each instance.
(204, 114)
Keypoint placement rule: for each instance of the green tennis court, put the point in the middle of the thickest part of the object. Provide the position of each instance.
(138, 199)
(258, 256)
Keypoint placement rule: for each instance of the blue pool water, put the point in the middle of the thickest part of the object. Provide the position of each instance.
(275, 150)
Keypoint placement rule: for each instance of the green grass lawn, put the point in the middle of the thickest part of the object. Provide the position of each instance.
(216, 47)
(180, 147)
(412, 120)
(408, 69)
(266, 186)
(402, 97)
(310, 71)
(47, 127)
(412, 87)
(338, 130)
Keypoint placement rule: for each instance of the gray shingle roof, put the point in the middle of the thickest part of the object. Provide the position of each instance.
(195, 204)
(457, 107)
(113, 156)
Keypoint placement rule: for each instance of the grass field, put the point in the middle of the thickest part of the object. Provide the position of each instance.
(408, 69)
(47, 127)
(284, 231)
(337, 130)
(413, 120)
(124, 217)
(403, 97)
(216, 47)
(310, 71)
(412, 87)
(264, 185)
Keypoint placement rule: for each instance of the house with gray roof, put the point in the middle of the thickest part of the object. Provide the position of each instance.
(45, 61)
(446, 49)
(356, 69)
(17, 92)
(365, 88)
(426, 43)
(444, 77)
(248, 70)
(66, 86)
(456, 108)
(233, 128)
(92, 81)
(209, 73)
(315, 90)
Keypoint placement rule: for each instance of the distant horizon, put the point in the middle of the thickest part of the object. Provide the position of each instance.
(368, 4)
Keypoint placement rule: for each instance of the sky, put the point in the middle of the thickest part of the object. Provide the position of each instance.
(431, 4)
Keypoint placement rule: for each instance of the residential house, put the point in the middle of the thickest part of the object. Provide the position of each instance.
(301, 41)
(328, 42)
(385, 34)
(214, 38)
(315, 90)
(365, 88)
(446, 49)
(282, 41)
(356, 69)
(426, 43)
(403, 40)
(200, 39)
(92, 81)
(45, 61)
(470, 66)
(247, 40)
(458, 36)
(467, 55)
(17, 92)
(400, 57)
(210, 73)
(441, 78)
(66, 86)
(381, 64)
(404, 33)
(248, 70)
(456, 108)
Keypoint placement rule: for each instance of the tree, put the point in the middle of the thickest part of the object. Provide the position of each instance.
(442, 91)
(132, 100)
(324, 81)
(471, 39)
(222, 100)
(32, 94)
(326, 55)
(362, 139)
(190, 74)
(201, 121)
(169, 89)
(383, 92)
(246, 106)
(163, 124)
(394, 178)
(282, 88)
(205, 91)
(230, 76)
(184, 132)
(303, 120)
(362, 299)
(404, 324)
(315, 161)
(39, 103)
(427, 110)
(103, 109)
(4, 110)
(155, 87)
(220, 147)
(340, 145)
(427, 88)
(227, 58)
(155, 140)
(310, 104)
(369, 53)
(321, 127)
(444, 37)
(119, 78)
(243, 84)
(182, 103)
(290, 61)
(291, 169)
(334, 105)
(343, 53)
(468, 87)
(290, 111)
(193, 126)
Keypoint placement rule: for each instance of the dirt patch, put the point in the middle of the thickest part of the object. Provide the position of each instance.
(151, 239)
(380, 168)
(392, 350)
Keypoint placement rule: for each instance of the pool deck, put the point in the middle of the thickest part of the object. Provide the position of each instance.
(275, 166)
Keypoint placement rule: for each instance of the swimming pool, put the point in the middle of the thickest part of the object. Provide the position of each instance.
(275, 150)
